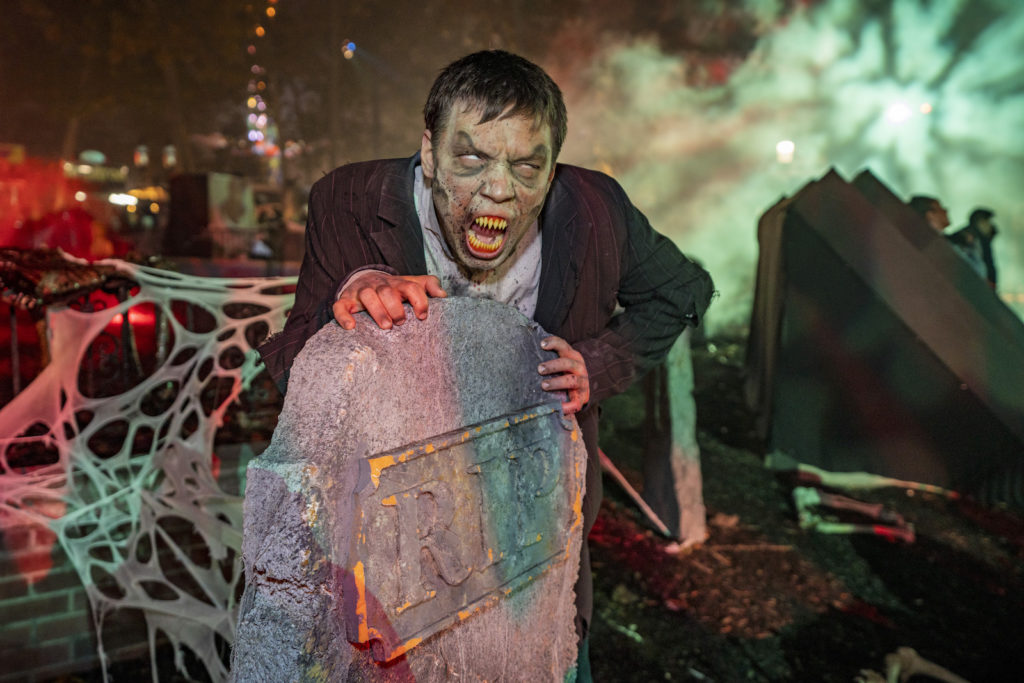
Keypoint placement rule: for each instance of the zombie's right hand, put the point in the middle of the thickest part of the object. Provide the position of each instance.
(383, 296)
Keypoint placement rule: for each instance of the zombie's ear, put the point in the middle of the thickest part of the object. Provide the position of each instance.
(427, 155)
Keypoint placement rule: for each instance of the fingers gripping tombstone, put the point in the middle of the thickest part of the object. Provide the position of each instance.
(418, 512)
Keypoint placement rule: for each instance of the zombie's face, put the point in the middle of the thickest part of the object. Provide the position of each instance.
(488, 181)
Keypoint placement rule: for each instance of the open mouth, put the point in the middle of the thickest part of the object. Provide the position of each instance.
(486, 236)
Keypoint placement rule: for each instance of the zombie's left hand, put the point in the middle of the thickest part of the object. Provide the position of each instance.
(568, 373)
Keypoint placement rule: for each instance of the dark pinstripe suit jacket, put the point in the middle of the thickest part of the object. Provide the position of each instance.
(597, 250)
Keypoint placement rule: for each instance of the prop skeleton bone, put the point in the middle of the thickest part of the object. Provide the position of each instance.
(906, 663)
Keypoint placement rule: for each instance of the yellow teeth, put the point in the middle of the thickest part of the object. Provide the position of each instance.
(488, 244)
(480, 245)
(491, 223)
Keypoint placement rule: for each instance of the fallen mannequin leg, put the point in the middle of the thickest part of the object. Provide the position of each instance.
(906, 663)
(808, 499)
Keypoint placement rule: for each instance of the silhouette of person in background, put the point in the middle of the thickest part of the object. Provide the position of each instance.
(975, 243)
(932, 210)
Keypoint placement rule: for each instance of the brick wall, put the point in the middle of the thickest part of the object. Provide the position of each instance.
(46, 628)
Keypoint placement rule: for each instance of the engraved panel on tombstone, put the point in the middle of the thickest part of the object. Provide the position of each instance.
(445, 527)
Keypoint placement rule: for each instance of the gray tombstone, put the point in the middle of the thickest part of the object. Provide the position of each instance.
(673, 485)
(418, 512)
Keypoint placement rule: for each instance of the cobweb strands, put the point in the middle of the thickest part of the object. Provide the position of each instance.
(122, 467)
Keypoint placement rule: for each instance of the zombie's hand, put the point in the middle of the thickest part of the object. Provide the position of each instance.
(383, 297)
(568, 373)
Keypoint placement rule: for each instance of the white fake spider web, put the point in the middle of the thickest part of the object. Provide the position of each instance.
(127, 483)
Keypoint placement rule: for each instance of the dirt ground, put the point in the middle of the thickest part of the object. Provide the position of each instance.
(764, 600)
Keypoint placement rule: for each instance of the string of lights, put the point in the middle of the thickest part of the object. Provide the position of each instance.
(261, 130)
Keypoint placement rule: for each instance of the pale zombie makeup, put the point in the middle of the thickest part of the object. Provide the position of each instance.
(489, 181)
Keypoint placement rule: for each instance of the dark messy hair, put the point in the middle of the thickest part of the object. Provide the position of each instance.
(980, 214)
(496, 81)
(922, 203)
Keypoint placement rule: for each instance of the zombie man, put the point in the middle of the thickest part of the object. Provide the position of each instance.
(484, 210)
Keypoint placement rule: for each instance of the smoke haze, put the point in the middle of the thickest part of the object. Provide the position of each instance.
(926, 95)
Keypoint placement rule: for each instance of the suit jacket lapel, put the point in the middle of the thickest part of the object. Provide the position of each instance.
(564, 241)
(400, 237)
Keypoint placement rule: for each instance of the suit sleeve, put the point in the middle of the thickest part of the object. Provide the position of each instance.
(334, 248)
(660, 292)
